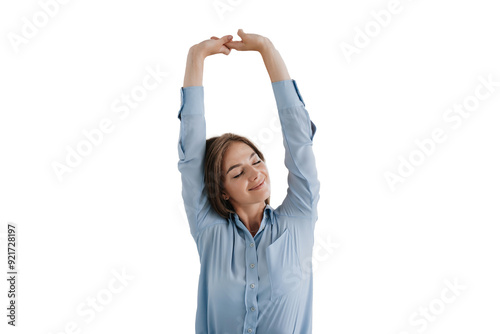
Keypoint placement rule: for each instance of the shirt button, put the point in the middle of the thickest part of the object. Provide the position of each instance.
(252, 308)
(249, 330)
(252, 265)
(252, 285)
(251, 245)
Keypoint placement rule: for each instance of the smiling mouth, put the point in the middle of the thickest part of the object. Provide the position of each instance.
(260, 185)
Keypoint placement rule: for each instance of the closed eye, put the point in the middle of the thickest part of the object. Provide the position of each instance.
(237, 176)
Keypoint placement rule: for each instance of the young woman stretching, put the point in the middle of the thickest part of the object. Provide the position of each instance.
(256, 261)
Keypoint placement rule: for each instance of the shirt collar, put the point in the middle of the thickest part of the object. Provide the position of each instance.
(268, 211)
(267, 214)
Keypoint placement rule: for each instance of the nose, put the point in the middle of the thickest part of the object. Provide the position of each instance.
(254, 175)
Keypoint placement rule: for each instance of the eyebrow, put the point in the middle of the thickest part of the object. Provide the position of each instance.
(237, 165)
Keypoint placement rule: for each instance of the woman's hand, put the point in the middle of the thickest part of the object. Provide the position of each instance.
(196, 57)
(213, 46)
(249, 42)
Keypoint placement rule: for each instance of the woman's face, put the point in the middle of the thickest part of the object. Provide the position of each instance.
(245, 175)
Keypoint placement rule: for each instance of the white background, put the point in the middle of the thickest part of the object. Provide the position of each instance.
(121, 207)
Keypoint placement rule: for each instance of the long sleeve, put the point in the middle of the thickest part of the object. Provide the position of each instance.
(191, 148)
(298, 132)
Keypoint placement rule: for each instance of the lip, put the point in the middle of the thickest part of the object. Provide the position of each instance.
(259, 186)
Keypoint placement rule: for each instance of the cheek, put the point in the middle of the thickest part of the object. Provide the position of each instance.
(234, 186)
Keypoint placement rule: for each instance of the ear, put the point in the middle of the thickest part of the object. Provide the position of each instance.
(225, 196)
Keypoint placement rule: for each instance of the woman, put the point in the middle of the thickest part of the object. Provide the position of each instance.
(255, 274)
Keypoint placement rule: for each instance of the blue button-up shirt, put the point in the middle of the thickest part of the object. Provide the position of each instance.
(247, 284)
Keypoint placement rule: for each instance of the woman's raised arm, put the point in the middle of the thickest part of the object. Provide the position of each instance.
(192, 137)
(297, 128)
(194, 68)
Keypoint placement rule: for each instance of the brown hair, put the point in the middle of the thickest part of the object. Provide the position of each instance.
(216, 147)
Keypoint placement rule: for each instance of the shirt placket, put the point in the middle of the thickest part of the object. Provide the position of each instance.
(251, 281)
(252, 285)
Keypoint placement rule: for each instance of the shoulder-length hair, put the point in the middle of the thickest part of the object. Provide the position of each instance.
(216, 147)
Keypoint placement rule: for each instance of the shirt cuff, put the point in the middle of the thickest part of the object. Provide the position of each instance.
(192, 101)
(287, 94)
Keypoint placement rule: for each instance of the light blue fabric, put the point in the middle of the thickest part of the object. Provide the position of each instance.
(260, 284)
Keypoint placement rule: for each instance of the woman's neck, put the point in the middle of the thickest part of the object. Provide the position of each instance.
(251, 216)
